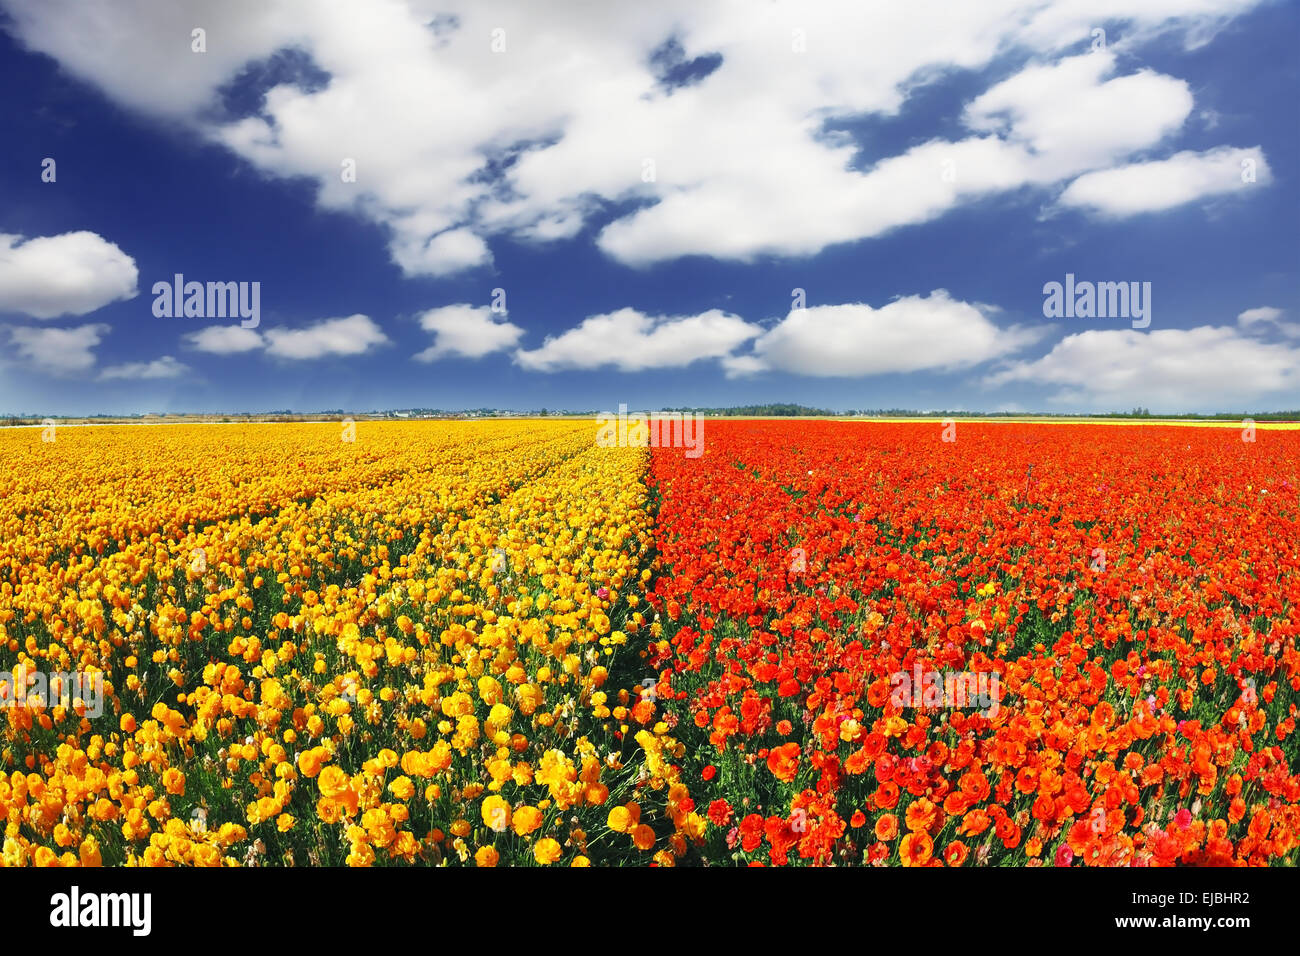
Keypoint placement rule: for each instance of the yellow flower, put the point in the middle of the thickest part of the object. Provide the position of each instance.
(496, 813)
(333, 781)
(486, 856)
(619, 820)
(173, 781)
(526, 819)
(624, 818)
(547, 851)
(89, 852)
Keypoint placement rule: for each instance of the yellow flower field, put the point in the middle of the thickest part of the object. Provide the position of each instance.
(411, 647)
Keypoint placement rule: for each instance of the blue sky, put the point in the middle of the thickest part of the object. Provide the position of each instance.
(647, 187)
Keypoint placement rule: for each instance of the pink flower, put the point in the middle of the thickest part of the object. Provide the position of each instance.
(602, 593)
(1183, 818)
(1064, 855)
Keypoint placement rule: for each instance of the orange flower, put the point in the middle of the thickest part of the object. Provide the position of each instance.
(920, 814)
(783, 761)
(526, 819)
(974, 823)
(644, 711)
(916, 849)
(174, 781)
(886, 828)
(309, 761)
(955, 853)
(643, 837)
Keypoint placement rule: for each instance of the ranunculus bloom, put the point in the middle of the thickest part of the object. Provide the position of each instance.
(547, 851)
(783, 761)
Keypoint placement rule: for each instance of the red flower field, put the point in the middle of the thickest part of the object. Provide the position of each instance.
(1120, 603)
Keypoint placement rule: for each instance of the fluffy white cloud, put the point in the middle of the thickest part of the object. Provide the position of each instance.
(224, 339)
(157, 40)
(165, 367)
(59, 351)
(1070, 116)
(459, 133)
(1170, 369)
(632, 341)
(1068, 21)
(452, 251)
(1267, 317)
(1264, 313)
(70, 274)
(907, 335)
(352, 335)
(1166, 183)
(466, 330)
(1049, 122)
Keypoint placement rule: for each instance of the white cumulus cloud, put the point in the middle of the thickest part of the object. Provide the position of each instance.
(58, 351)
(165, 367)
(224, 339)
(1166, 183)
(352, 335)
(633, 341)
(1264, 313)
(468, 120)
(909, 334)
(1174, 370)
(70, 274)
(1267, 317)
(468, 331)
(452, 251)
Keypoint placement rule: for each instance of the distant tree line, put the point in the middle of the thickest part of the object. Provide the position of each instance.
(773, 410)
(777, 410)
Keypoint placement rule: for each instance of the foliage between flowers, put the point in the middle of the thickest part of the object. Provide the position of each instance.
(1149, 699)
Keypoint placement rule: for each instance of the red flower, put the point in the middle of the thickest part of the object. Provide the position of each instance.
(751, 832)
(719, 813)
(783, 761)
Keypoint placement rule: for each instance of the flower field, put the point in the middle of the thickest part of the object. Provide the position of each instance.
(496, 643)
(1136, 591)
